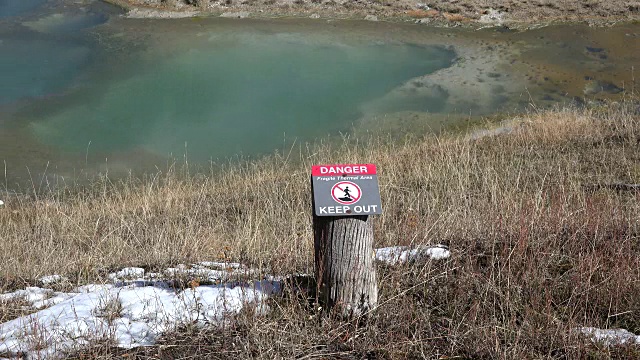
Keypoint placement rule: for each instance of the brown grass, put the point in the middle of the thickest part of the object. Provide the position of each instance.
(14, 308)
(537, 250)
(419, 13)
(455, 17)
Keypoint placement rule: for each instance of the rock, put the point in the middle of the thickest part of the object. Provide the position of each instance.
(137, 13)
(237, 15)
(1, 203)
(371, 18)
(594, 49)
(595, 87)
(314, 16)
(492, 17)
(634, 6)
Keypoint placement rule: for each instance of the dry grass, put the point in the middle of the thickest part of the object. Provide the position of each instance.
(454, 17)
(420, 14)
(14, 308)
(537, 249)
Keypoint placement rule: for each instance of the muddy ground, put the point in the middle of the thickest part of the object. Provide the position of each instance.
(438, 12)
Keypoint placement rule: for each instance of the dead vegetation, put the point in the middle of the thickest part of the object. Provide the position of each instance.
(539, 246)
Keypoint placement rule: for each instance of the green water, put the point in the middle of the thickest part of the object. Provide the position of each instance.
(237, 93)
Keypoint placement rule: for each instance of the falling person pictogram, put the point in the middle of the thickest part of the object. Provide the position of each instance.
(346, 192)
(347, 197)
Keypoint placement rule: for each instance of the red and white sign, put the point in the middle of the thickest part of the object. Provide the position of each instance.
(346, 192)
(338, 170)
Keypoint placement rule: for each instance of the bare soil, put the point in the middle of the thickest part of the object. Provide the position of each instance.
(437, 12)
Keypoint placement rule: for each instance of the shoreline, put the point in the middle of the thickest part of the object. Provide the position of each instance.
(438, 13)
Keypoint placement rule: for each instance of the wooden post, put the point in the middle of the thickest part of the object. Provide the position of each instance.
(344, 198)
(345, 264)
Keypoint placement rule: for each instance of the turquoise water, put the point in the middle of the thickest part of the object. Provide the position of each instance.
(44, 46)
(9, 8)
(81, 89)
(26, 73)
(237, 93)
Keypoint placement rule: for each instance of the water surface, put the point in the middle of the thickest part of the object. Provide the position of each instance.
(86, 90)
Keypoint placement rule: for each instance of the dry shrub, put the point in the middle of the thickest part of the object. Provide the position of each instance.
(455, 17)
(436, 188)
(14, 308)
(419, 13)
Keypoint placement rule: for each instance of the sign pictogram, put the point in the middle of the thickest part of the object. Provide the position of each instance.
(345, 190)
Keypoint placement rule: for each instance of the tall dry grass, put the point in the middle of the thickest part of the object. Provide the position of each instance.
(434, 189)
(543, 239)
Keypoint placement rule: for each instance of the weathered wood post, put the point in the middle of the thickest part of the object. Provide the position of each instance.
(344, 198)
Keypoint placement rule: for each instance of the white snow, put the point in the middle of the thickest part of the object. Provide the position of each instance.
(129, 312)
(403, 254)
(211, 271)
(221, 265)
(610, 337)
(37, 297)
(52, 279)
(127, 273)
(137, 306)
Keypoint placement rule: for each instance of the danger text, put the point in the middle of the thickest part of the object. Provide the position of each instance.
(356, 169)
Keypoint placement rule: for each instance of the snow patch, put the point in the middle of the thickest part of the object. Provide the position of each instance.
(129, 312)
(52, 279)
(220, 265)
(37, 298)
(127, 273)
(404, 254)
(610, 337)
(211, 271)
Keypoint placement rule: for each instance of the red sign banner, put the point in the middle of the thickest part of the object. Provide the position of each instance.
(346, 169)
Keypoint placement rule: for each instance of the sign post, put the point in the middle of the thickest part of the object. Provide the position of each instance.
(344, 197)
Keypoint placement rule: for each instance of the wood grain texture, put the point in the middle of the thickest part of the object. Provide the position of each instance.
(345, 264)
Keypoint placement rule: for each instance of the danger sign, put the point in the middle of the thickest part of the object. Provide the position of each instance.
(343, 190)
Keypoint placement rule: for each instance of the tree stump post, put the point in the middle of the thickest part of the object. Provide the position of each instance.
(345, 264)
(344, 198)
